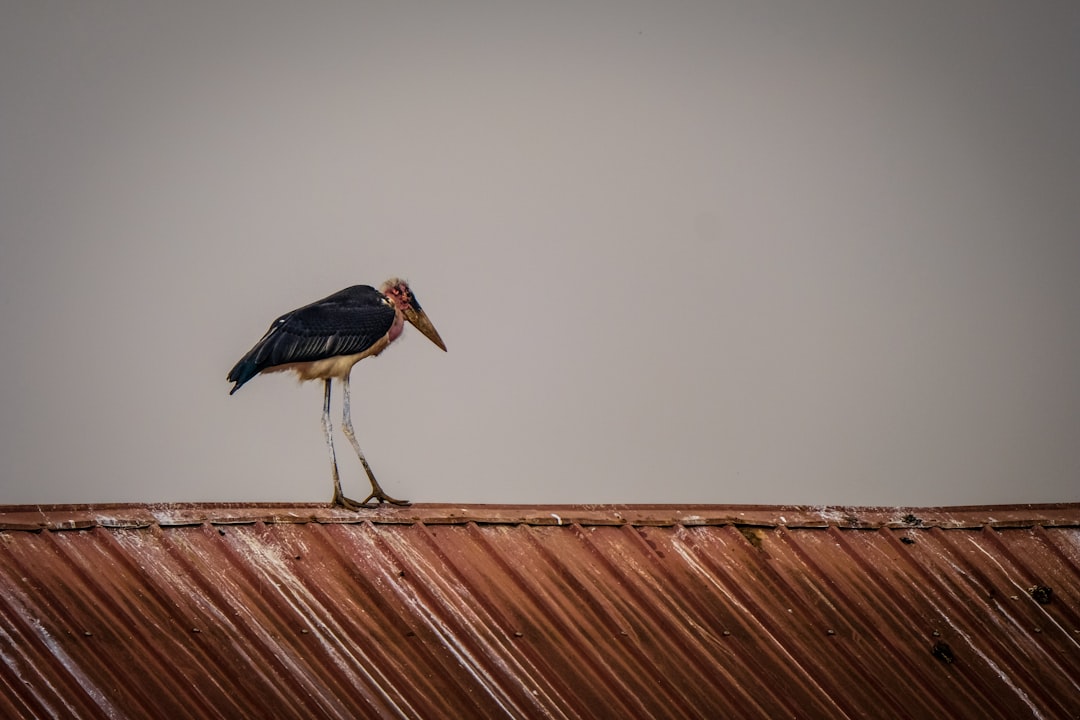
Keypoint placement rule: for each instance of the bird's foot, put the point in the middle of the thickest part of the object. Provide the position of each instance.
(378, 494)
(350, 504)
(347, 503)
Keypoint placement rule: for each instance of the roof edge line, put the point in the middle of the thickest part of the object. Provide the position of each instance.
(35, 518)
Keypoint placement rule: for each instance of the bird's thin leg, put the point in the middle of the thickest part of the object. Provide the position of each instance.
(339, 497)
(328, 428)
(377, 492)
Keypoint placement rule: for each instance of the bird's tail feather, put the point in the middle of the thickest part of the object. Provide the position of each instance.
(244, 371)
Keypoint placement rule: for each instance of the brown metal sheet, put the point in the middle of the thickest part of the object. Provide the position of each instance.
(289, 611)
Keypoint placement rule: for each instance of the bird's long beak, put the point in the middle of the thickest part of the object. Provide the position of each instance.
(420, 321)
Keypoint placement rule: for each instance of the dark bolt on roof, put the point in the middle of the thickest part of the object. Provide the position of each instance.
(210, 611)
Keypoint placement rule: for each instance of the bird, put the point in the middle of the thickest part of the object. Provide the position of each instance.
(324, 340)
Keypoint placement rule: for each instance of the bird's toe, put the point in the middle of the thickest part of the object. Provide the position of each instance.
(366, 504)
(382, 497)
(348, 503)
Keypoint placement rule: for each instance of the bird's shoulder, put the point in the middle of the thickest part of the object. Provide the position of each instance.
(353, 295)
(357, 308)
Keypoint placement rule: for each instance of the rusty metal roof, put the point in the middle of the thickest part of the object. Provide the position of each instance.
(195, 611)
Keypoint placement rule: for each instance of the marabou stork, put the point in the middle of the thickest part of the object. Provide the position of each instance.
(324, 340)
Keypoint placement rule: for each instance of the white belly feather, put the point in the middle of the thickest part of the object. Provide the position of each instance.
(331, 367)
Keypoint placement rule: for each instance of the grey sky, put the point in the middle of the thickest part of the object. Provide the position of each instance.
(775, 252)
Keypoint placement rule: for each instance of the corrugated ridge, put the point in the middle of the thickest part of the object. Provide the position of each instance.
(788, 650)
(890, 614)
(447, 612)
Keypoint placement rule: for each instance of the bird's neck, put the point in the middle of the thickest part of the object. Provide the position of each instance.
(398, 326)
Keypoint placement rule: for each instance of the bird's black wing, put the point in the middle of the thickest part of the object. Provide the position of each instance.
(345, 323)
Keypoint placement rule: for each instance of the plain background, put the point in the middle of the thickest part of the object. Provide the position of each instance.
(716, 252)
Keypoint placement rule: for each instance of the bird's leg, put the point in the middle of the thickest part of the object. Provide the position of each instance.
(339, 497)
(377, 492)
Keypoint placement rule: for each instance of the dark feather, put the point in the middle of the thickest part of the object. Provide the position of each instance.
(345, 323)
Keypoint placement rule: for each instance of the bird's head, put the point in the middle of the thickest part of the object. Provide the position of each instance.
(397, 292)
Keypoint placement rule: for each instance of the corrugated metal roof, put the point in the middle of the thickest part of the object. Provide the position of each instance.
(573, 611)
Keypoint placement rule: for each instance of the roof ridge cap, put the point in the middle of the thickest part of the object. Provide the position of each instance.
(142, 515)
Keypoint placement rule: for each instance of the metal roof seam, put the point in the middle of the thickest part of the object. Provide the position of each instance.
(293, 606)
(56, 625)
(892, 609)
(794, 660)
(575, 654)
(641, 597)
(613, 670)
(688, 613)
(373, 601)
(949, 603)
(435, 602)
(32, 677)
(126, 612)
(819, 584)
(340, 620)
(484, 597)
(733, 623)
(992, 649)
(185, 572)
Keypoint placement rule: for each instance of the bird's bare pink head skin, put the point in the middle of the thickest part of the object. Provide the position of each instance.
(399, 294)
